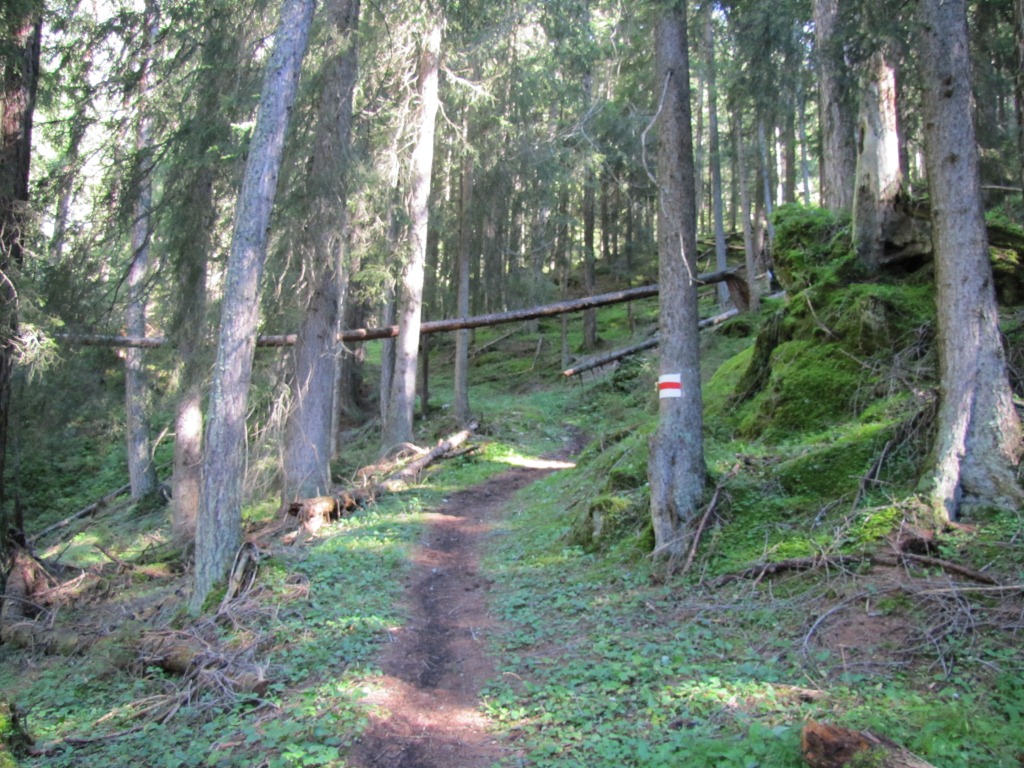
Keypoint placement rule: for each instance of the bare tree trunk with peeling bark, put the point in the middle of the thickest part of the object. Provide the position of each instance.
(219, 525)
(676, 466)
(978, 433)
(879, 180)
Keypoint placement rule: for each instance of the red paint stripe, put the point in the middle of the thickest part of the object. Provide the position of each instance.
(669, 385)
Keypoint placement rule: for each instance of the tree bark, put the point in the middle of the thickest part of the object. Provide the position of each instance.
(219, 525)
(978, 434)
(749, 254)
(878, 180)
(308, 431)
(676, 464)
(715, 155)
(838, 156)
(460, 399)
(398, 425)
(19, 70)
(1018, 82)
(141, 469)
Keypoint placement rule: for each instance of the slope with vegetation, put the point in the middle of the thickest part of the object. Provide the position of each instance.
(815, 592)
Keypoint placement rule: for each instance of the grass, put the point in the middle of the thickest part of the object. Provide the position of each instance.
(604, 660)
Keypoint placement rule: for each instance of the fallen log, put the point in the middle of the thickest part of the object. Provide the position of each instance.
(432, 326)
(89, 509)
(830, 746)
(315, 512)
(619, 354)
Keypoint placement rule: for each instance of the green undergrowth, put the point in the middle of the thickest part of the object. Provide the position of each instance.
(603, 662)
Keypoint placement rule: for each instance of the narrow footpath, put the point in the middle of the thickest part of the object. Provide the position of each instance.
(437, 663)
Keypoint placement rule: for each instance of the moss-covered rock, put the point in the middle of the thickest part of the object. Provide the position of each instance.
(811, 386)
(831, 469)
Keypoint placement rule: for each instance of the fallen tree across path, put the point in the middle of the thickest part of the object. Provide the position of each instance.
(315, 512)
(432, 326)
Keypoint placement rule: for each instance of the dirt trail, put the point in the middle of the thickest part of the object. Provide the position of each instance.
(437, 663)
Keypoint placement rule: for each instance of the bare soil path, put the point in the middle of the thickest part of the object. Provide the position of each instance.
(437, 663)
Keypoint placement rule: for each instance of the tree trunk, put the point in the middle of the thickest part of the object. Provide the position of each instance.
(19, 70)
(749, 254)
(460, 400)
(978, 434)
(141, 470)
(1018, 81)
(398, 426)
(308, 432)
(219, 525)
(715, 155)
(676, 464)
(589, 261)
(838, 155)
(878, 179)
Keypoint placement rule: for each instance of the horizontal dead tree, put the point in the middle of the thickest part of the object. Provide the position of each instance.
(650, 343)
(432, 326)
(315, 512)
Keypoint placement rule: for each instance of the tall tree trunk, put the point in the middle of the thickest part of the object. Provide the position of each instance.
(1018, 81)
(715, 155)
(398, 427)
(749, 254)
(19, 70)
(978, 434)
(460, 400)
(676, 465)
(219, 525)
(308, 432)
(838, 155)
(766, 178)
(878, 179)
(141, 469)
(189, 241)
(589, 261)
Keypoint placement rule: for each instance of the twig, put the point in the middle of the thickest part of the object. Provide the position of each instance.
(712, 505)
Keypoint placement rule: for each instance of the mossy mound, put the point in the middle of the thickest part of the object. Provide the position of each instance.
(616, 505)
(809, 387)
(812, 248)
(832, 468)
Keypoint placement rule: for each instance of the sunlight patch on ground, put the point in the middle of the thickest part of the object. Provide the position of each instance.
(532, 463)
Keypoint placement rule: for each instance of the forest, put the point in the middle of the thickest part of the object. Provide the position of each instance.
(541, 383)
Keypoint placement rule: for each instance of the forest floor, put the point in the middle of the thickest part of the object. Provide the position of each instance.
(435, 666)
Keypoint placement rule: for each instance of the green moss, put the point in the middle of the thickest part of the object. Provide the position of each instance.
(874, 318)
(832, 469)
(812, 247)
(610, 519)
(719, 392)
(811, 386)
